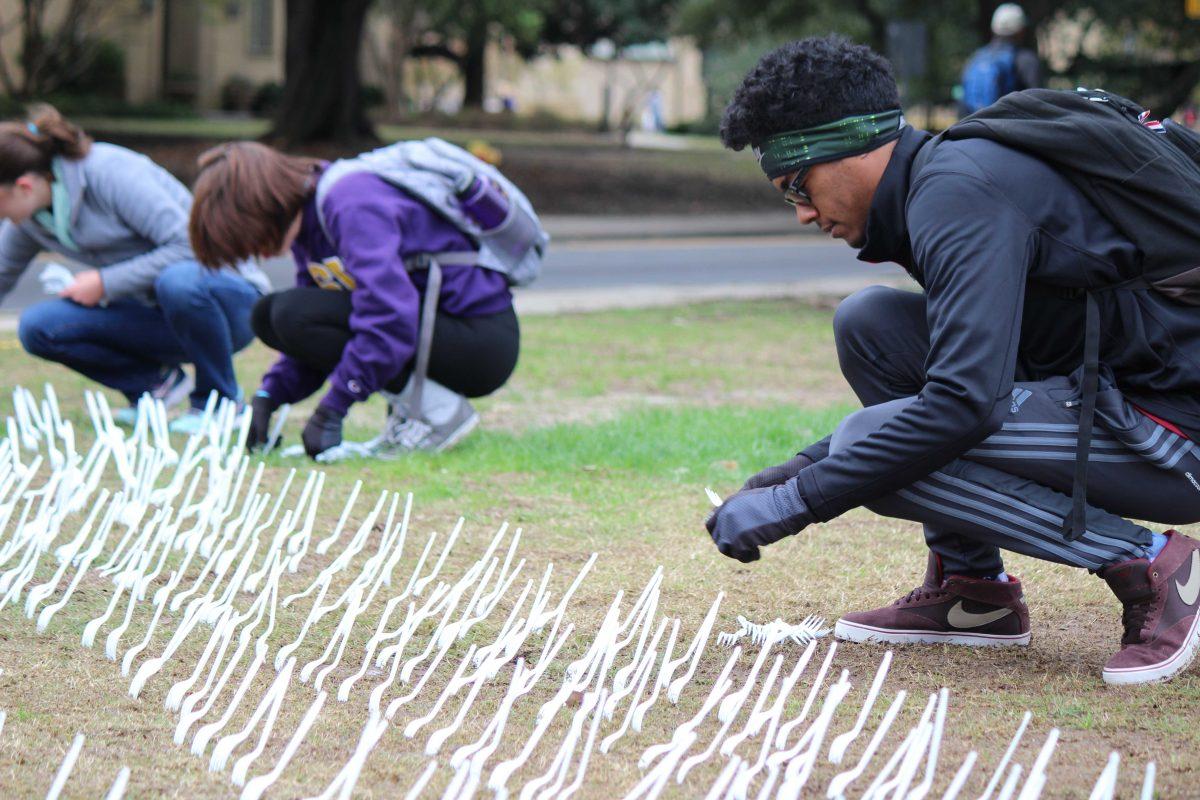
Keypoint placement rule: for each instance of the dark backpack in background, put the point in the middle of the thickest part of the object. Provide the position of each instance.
(1142, 175)
(989, 75)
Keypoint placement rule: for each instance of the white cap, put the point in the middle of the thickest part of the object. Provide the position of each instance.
(1008, 20)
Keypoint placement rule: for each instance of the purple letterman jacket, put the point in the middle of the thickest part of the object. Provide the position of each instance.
(373, 226)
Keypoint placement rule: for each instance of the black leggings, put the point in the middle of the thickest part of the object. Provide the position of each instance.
(473, 356)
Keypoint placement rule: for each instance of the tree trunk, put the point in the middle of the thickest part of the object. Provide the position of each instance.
(605, 124)
(474, 65)
(7, 82)
(401, 43)
(32, 46)
(876, 22)
(983, 18)
(322, 98)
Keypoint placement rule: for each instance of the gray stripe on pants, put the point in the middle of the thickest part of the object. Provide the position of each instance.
(1103, 441)
(1055, 520)
(1183, 451)
(1116, 458)
(1058, 441)
(1048, 427)
(1063, 555)
(1048, 533)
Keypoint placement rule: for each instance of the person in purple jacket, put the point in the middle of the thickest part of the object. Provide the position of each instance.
(354, 316)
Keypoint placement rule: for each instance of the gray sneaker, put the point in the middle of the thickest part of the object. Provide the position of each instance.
(402, 436)
(172, 390)
(176, 385)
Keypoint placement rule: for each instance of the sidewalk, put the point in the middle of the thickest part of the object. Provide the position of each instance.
(575, 238)
(534, 302)
(673, 226)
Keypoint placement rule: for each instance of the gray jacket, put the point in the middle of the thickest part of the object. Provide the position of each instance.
(434, 171)
(129, 219)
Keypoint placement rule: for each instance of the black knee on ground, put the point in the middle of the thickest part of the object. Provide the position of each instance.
(260, 317)
(482, 383)
(864, 316)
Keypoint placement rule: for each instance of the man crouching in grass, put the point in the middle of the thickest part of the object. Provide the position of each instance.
(972, 388)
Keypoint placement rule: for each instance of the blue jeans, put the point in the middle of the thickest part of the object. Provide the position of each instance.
(202, 318)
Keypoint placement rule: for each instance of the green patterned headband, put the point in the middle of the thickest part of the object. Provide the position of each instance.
(784, 153)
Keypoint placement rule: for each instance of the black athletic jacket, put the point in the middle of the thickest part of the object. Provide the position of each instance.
(1002, 244)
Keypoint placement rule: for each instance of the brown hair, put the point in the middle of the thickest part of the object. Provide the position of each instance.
(245, 198)
(30, 145)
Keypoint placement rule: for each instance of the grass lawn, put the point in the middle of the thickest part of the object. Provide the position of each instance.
(603, 442)
(562, 172)
(252, 128)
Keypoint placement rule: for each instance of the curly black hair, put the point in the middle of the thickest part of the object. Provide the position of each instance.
(807, 83)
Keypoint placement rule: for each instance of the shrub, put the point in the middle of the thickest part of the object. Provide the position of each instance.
(237, 94)
(266, 99)
(75, 105)
(103, 75)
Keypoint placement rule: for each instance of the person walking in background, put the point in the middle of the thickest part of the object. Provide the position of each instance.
(400, 289)
(1002, 65)
(145, 307)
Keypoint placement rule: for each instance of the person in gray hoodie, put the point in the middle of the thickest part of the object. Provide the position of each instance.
(145, 306)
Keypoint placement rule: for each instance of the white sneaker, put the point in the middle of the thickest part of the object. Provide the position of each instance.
(126, 417)
(402, 436)
(187, 424)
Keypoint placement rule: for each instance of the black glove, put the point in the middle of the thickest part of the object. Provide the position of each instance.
(261, 409)
(323, 431)
(773, 476)
(757, 517)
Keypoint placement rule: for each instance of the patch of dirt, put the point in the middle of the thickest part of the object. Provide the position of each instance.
(558, 180)
(545, 410)
(609, 181)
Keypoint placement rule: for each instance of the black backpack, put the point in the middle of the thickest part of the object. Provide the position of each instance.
(1143, 176)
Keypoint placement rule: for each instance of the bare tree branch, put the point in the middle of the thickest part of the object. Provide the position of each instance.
(439, 50)
(6, 78)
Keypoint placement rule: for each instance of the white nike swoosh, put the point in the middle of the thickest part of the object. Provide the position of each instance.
(1188, 592)
(965, 619)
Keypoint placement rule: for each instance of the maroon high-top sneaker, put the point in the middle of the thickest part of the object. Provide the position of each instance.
(1161, 600)
(949, 609)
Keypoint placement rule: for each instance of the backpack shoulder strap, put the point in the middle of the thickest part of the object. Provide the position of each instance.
(450, 258)
(332, 174)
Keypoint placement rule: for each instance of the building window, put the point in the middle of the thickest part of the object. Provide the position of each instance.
(262, 27)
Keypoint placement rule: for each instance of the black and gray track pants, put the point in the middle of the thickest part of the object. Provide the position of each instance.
(1012, 490)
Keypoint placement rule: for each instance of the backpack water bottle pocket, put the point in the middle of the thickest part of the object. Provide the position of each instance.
(505, 227)
(514, 238)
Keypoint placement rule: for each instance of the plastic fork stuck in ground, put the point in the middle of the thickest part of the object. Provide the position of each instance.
(811, 627)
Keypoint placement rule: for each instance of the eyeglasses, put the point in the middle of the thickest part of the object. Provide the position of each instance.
(794, 193)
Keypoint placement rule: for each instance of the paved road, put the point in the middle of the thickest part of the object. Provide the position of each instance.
(700, 262)
(647, 267)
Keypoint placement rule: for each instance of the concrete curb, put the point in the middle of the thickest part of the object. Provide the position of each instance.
(543, 303)
(673, 226)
